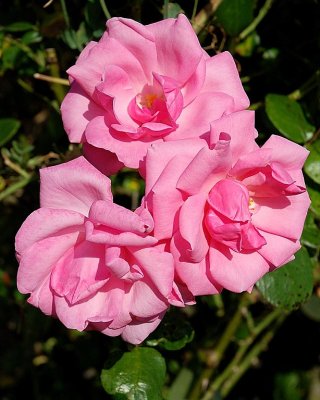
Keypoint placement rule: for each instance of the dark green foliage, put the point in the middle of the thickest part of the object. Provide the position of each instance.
(288, 117)
(290, 285)
(137, 375)
(278, 60)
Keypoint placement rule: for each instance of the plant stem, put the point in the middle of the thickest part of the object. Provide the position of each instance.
(47, 4)
(13, 166)
(65, 13)
(105, 9)
(53, 65)
(165, 9)
(203, 16)
(14, 187)
(232, 366)
(217, 299)
(255, 106)
(51, 79)
(194, 11)
(306, 87)
(26, 49)
(231, 329)
(262, 13)
(247, 361)
(219, 350)
(28, 88)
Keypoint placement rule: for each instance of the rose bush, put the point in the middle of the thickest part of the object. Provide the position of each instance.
(145, 84)
(90, 262)
(231, 211)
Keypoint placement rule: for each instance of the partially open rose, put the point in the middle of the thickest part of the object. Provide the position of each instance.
(234, 211)
(144, 84)
(90, 262)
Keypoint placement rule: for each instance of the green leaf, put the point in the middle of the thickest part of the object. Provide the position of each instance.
(8, 128)
(94, 16)
(31, 37)
(10, 57)
(312, 164)
(235, 15)
(174, 9)
(180, 387)
(70, 38)
(76, 39)
(288, 117)
(137, 375)
(247, 46)
(310, 234)
(20, 26)
(312, 308)
(173, 334)
(82, 36)
(315, 201)
(289, 386)
(290, 285)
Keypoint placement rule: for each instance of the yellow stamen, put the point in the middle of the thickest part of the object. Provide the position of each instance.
(148, 99)
(252, 204)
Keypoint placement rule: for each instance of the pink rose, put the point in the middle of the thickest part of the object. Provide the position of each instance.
(90, 262)
(234, 211)
(145, 84)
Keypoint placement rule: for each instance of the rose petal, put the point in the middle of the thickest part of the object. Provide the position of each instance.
(222, 76)
(171, 54)
(283, 216)
(165, 200)
(38, 260)
(206, 168)
(240, 127)
(196, 276)
(88, 72)
(103, 306)
(108, 237)
(160, 154)
(159, 267)
(287, 153)
(278, 249)
(138, 40)
(195, 120)
(236, 272)
(231, 199)
(136, 332)
(75, 122)
(145, 300)
(42, 297)
(117, 217)
(74, 185)
(105, 161)
(44, 223)
(80, 273)
(129, 152)
(191, 229)
(116, 84)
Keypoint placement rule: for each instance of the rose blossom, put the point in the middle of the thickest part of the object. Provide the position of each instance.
(90, 262)
(234, 211)
(144, 84)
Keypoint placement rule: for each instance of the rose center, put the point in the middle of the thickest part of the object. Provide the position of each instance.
(252, 204)
(148, 100)
(228, 219)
